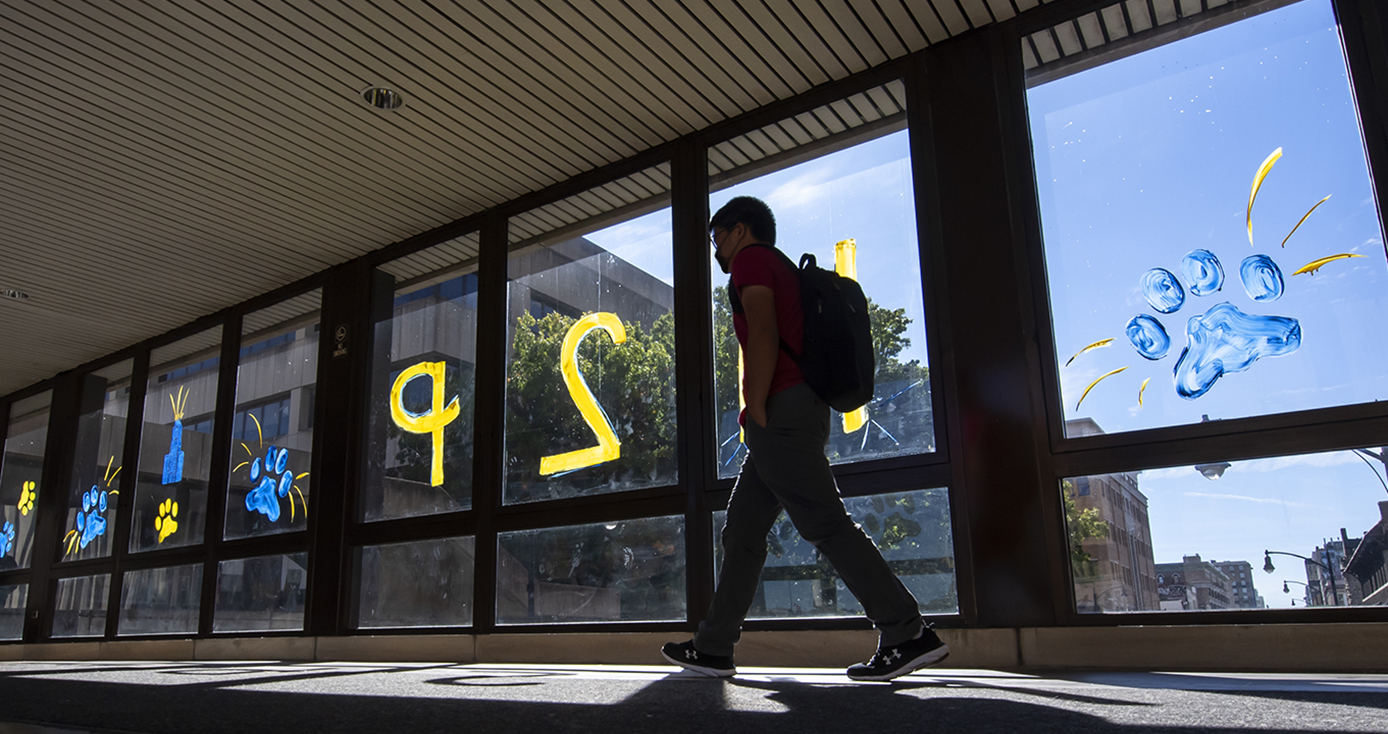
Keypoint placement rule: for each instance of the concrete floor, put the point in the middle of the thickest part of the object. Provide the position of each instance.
(48, 697)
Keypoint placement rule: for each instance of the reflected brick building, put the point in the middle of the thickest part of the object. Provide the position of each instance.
(1123, 573)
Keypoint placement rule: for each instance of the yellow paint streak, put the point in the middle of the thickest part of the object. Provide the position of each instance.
(259, 435)
(106, 475)
(238, 466)
(113, 476)
(248, 449)
(1092, 384)
(741, 396)
(608, 447)
(1095, 345)
(1303, 219)
(432, 422)
(301, 476)
(846, 265)
(1262, 173)
(1315, 265)
(1141, 390)
(301, 499)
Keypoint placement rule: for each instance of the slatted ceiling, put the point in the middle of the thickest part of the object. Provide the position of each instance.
(439, 99)
(200, 346)
(727, 159)
(297, 310)
(593, 209)
(443, 256)
(116, 372)
(951, 15)
(1115, 27)
(168, 67)
(525, 63)
(188, 156)
(1001, 10)
(976, 12)
(1069, 37)
(1119, 21)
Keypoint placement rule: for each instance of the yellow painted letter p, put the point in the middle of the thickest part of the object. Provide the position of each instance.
(432, 422)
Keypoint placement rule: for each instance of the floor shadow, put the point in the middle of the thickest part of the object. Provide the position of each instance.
(558, 701)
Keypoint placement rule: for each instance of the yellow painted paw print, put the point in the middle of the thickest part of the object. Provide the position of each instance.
(165, 522)
(26, 498)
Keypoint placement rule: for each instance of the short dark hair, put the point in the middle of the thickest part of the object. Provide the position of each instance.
(750, 211)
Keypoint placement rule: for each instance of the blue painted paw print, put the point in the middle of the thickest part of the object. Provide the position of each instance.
(1223, 339)
(6, 539)
(273, 480)
(90, 522)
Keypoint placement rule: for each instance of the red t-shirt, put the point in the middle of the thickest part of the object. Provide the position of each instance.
(762, 266)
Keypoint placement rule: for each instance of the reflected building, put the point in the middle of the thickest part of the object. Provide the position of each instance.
(1368, 563)
(1324, 588)
(1242, 592)
(1122, 570)
(1196, 585)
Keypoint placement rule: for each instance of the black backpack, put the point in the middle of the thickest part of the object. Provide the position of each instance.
(837, 359)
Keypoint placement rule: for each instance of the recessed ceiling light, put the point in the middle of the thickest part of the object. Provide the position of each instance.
(14, 294)
(383, 98)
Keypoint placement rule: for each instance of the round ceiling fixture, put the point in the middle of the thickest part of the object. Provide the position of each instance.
(14, 294)
(383, 98)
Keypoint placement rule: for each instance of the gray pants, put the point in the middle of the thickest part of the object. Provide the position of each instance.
(786, 468)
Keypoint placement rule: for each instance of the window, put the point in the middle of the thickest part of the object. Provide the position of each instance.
(632, 570)
(21, 479)
(80, 609)
(13, 598)
(269, 489)
(161, 601)
(1286, 504)
(97, 463)
(420, 441)
(261, 594)
(912, 529)
(427, 583)
(1212, 245)
(590, 353)
(171, 487)
(853, 208)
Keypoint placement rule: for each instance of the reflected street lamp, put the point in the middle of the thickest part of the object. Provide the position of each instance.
(1267, 566)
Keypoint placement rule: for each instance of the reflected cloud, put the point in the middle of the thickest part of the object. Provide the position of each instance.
(1259, 500)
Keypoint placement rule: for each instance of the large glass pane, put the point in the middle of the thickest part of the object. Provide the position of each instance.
(590, 353)
(96, 464)
(272, 429)
(80, 610)
(176, 443)
(260, 594)
(1212, 244)
(13, 599)
(632, 570)
(160, 601)
(423, 584)
(852, 206)
(912, 529)
(21, 478)
(1276, 532)
(419, 445)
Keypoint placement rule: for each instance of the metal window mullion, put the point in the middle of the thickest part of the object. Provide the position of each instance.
(51, 506)
(217, 468)
(489, 411)
(125, 509)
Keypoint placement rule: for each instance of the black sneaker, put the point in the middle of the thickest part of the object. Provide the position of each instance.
(684, 655)
(890, 662)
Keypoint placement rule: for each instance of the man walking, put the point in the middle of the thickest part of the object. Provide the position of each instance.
(786, 427)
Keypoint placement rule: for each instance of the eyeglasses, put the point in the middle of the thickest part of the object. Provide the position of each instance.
(713, 236)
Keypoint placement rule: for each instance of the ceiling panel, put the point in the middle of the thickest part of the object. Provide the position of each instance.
(170, 160)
